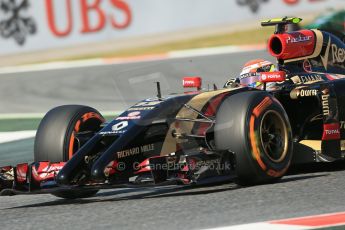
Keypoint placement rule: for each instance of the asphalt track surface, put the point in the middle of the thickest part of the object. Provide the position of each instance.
(307, 190)
(113, 87)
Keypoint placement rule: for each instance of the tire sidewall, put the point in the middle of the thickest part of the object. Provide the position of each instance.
(273, 169)
(232, 133)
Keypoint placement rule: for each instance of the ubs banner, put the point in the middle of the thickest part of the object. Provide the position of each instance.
(31, 25)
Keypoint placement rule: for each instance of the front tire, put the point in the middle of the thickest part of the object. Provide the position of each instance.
(254, 126)
(56, 138)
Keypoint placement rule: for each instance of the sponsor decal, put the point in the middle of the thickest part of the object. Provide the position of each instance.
(119, 126)
(307, 66)
(116, 129)
(147, 103)
(277, 76)
(338, 54)
(325, 102)
(308, 92)
(298, 39)
(190, 82)
(94, 17)
(131, 116)
(111, 132)
(135, 151)
(342, 124)
(331, 131)
(309, 78)
(16, 24)
(141, 108)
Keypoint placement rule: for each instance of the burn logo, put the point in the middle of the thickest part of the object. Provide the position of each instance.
(13, 23)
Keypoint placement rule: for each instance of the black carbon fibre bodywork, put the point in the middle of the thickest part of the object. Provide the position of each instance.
(177, 131)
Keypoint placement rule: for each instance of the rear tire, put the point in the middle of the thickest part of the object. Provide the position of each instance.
(254, 126)
(55, 139)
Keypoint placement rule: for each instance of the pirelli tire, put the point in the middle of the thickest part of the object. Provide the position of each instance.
(255, 127)
(56, 141)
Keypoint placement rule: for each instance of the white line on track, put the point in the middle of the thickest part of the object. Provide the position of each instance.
(261, 226)
(5, 116)
(6, 137)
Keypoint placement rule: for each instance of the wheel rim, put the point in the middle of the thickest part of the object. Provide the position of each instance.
(274, 136)
(88, 122)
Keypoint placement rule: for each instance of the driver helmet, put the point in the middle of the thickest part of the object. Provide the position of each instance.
(250, 75)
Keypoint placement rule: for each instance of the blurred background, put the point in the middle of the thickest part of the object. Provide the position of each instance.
(50, 30)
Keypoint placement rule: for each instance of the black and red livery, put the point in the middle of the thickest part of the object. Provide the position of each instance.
(243, 134)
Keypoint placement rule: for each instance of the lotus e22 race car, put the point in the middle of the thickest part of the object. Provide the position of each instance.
(241, 134)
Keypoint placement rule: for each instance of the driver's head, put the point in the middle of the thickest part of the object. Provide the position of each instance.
(250, 75)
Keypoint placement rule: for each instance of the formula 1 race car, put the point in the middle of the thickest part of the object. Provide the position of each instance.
(240, 134)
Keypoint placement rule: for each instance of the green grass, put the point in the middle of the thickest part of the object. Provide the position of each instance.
(7, 125)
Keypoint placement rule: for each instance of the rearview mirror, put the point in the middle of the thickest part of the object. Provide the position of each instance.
(192, 82)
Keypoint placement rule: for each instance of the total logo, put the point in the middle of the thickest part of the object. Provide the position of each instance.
(331, 131)
(131, 116)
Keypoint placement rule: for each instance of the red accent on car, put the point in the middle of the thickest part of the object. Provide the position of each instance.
(331, 131)
(6, 168)
(192, 82)
(276, 76)
(210, 111)
(214, 104)
(143, 166)
(111, 168)
(44, 171)
(292, 45)
(22, 172)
